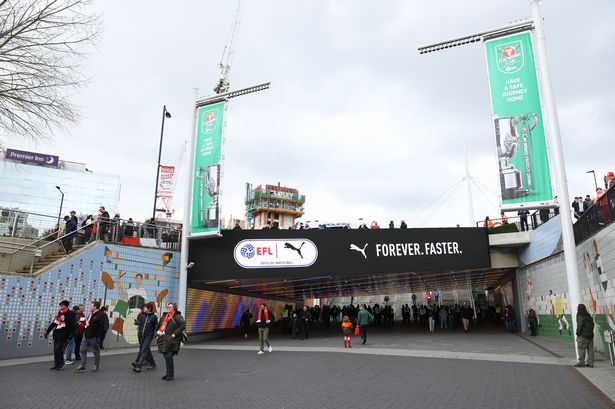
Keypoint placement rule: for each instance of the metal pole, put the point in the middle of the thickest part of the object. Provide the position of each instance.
(183, 268)
(60, 212)
(15, 220)
(164, 112)
(595, 181)
(561, 184)
(468, 181)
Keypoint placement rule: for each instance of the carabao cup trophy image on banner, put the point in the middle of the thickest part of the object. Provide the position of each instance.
(513, 135)
(209, 187)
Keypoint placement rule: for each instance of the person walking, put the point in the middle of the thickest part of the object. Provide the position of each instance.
(263, 320)
(443, 313)
(347, 331)
(532, 320)
(105, 320)
(80, 318)
(306, 319)
(146, 325)
(585, 337)
(246, 318)
(363, 319)
(168, 336)
(63, 327)
(431, 317)
(70, 227)
(91, 336)
(71, 345)
(466, 316)
(509, 317)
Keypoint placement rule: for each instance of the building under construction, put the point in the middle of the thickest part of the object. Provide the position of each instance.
(275, 205)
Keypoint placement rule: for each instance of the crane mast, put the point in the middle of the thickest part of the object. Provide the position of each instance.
(229, 52)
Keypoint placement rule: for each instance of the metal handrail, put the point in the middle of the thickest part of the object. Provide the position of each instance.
(596, 217)
(25, 247)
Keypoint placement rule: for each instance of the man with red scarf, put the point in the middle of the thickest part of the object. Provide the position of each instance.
(63, 327)
(92, 333)
(263, 320)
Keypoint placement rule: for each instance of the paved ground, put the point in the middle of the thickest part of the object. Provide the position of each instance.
(361, 378)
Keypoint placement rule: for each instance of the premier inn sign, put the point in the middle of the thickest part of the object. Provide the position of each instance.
(336, 252)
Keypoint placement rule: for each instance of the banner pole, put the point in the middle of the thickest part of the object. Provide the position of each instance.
(555, 143)
(183, 270)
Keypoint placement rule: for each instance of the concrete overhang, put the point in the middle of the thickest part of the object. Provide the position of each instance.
(518, 239)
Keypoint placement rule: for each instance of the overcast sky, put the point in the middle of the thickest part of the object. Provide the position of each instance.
(355, 118)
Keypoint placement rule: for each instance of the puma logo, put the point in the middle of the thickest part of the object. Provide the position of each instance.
(360, 250)
(291, 247)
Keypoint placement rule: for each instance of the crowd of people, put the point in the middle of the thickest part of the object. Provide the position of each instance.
(110, 229)
(75, 332)
(298, 323)
(301, 226)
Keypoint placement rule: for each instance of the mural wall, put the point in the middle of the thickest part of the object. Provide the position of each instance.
(543, 286)
(121, 277)
(209, 311)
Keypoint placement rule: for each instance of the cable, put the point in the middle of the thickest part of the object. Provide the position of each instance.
(440, 202)
(437, 199)
(485, 196)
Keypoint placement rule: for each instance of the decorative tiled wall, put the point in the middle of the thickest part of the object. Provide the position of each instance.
(122, 277)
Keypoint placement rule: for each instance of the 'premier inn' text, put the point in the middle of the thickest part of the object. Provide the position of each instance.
(415, 249)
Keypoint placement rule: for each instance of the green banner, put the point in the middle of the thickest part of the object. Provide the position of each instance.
(205, 218)
(525, 179)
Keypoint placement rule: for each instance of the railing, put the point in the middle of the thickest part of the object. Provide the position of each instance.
(15, 257)
(534, 220)
(597, 217)
(128, 232)
(25, 225)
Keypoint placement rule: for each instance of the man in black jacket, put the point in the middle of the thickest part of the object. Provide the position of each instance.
(306, 319)
(93, 332)
(146, 325)
(63, 327)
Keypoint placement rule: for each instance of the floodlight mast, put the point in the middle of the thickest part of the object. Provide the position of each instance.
(511, 28)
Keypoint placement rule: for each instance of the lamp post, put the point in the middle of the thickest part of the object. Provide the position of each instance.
(165, 114)
(595, 181)
(60, 212)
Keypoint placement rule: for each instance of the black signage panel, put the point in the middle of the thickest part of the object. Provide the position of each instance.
(336, 252)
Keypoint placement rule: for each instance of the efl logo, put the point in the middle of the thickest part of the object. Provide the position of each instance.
(276, 253)
(249, 251)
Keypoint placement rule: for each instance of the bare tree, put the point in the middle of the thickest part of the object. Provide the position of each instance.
(42, 44)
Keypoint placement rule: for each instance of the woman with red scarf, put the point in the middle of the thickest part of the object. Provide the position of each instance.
(263, 319)
(63, 327)
(168, 336)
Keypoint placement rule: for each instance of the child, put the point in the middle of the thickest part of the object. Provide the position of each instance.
(347, 331)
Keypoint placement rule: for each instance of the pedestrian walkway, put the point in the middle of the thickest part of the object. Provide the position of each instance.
(398, 367)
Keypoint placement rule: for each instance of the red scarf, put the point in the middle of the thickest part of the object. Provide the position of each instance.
(60, 320)
(165, 321)
(87, 323)
(266, 314)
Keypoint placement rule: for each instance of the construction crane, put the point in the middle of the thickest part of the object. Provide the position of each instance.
(229, 51)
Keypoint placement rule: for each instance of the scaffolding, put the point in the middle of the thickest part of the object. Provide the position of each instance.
(271, 204)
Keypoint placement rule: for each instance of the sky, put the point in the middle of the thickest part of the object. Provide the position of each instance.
(355, 118)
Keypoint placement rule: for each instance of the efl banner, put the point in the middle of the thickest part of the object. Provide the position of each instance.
(525, 178)
(166, 182)
(205, 216)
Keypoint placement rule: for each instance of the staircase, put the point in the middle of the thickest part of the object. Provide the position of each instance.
(43, 262)
(50, 259)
